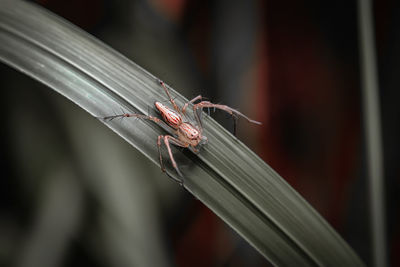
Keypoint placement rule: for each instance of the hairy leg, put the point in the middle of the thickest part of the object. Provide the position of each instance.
(233, 112)
(169, 96)
(199, 97)
(132, 115)
(168, 139)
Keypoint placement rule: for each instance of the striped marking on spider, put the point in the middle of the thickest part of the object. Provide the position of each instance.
(186, 134)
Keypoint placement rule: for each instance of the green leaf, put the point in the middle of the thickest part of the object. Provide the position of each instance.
(229, 178)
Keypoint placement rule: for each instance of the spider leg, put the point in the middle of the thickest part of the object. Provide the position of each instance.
(168, 139)
(132, 115)
(159, 152)
(199, 97)
(179, 181)
(169, 96)
(235, 118)
(231, 111)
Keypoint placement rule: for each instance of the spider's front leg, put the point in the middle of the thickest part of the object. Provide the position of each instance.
(233, 112)
(168, 139)
(199, 97)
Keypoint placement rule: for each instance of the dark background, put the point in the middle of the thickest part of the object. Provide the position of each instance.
(292, 65)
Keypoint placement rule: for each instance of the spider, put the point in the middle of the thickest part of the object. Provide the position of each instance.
(186, 134)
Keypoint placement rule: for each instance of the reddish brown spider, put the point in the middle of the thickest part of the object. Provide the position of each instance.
(186, 134)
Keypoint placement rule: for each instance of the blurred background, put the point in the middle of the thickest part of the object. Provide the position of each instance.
(75, 194)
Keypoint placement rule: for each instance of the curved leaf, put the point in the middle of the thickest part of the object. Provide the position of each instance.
(229, 178)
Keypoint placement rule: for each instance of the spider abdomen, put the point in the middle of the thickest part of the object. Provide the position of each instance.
(170, 116)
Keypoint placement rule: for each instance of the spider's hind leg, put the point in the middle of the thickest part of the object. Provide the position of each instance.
(131, 115)
(169, 96)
